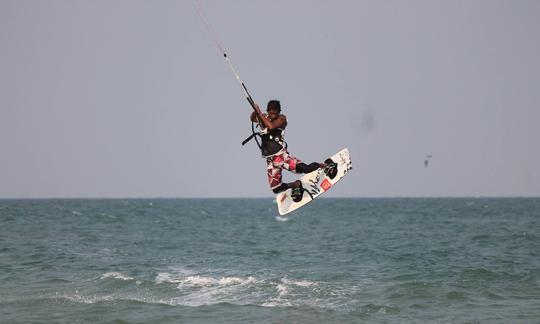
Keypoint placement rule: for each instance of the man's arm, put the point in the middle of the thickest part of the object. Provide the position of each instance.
(279, 122)
(254, 118)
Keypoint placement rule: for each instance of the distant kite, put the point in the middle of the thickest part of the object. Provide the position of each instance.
(426, 160)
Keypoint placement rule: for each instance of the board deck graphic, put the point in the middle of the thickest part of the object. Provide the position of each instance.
(315, 183)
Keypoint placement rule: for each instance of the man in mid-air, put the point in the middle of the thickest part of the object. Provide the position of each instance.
(274, 150)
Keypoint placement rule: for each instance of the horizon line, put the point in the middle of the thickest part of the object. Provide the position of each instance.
(269, 197)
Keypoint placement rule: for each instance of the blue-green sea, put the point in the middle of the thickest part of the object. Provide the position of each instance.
(458, 260)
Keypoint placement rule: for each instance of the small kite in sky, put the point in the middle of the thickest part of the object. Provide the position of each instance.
(426, 160)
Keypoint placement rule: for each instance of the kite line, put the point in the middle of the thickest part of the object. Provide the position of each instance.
(215, 38)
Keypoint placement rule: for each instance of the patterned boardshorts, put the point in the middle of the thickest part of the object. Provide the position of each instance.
(278, 162)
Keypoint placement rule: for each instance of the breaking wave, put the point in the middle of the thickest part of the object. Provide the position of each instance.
(187, 288)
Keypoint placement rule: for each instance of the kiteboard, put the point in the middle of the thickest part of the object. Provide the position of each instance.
(316, 182)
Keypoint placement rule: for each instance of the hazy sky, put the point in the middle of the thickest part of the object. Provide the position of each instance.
(133, 99)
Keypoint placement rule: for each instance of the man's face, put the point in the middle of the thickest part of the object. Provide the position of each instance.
(273, 114)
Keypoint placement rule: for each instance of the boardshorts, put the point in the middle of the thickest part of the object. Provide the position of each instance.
(278, 162)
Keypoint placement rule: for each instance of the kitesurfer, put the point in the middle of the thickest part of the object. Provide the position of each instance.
(274, 150)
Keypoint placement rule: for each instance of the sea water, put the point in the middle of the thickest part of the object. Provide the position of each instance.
(416, 260)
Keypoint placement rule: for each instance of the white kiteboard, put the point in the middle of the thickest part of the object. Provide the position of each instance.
(315, 183)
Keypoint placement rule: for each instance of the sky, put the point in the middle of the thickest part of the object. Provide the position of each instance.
(131, 98)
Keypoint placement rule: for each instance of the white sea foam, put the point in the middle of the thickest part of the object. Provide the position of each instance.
(176, 275)
(236, 281)
(301, 283)
(107, 215)
(276, 302)
(91, 299)
(199, 289)
(197, 281)
(165, 277)
(94, 298)
(116, 275)
(202, 281)
(282, 289)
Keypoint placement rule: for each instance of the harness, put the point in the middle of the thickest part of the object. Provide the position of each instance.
(272, 141)
(254, 134)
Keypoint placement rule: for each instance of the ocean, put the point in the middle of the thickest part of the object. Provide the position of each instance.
(388, 260)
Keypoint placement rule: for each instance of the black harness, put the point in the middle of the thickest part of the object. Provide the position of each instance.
(272, 141)
(254, 134)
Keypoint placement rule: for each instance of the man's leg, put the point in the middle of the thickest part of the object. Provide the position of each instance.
(273, 172)
(307, 168)
(275, 164)
(293, 164)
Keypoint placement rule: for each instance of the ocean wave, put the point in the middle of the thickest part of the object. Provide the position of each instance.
(268, 291)
(107, 215)
(371, 309)
(94, 298)
(300, 283)
(175, 276)
(115, 275)
(181, 287)
(202, 281)
(85, 299)
(184, 287)
(165, 277)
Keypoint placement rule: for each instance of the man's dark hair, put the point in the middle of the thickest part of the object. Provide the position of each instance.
(274, 105)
